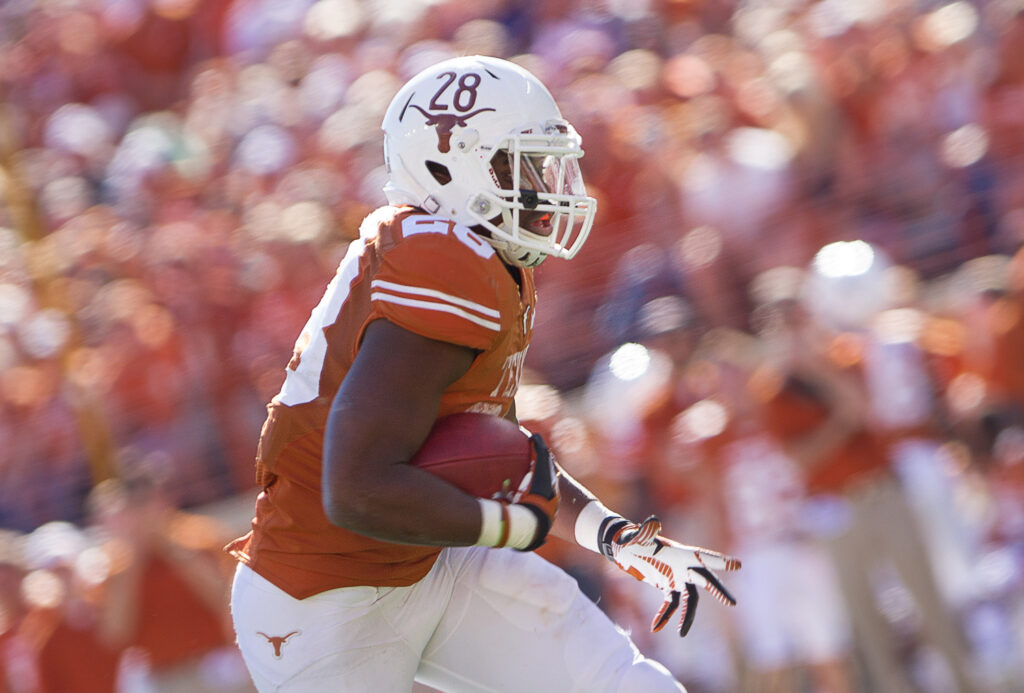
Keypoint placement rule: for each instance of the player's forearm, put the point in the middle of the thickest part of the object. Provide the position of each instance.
(575, 497)
(403, 504)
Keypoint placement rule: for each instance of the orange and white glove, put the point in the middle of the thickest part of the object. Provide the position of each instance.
(675, 569)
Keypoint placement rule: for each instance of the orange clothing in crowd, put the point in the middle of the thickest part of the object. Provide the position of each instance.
(175, 625)
(794, 410)
(9, 677)
(5, 677)
(71, 658)
(994, 346)
(392, 273)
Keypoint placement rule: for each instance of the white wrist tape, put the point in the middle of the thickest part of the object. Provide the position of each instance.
(492, 522)
(505, 525)
(589, 522)
(522, 527)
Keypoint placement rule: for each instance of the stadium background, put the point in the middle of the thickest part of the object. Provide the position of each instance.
(179, 179)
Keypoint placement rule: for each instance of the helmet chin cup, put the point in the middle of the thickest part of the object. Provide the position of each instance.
(570, 224)
(518, 256)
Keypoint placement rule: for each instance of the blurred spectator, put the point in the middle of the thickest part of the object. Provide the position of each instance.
(668, 328)
(72, 651)
(794, 627)
(816, 405)
(168, 595)
(18, 669)
(985, 391)
(632, 391)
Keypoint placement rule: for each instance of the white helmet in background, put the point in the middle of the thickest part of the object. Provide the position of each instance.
(481, 141)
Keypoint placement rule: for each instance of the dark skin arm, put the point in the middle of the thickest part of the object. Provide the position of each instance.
(379, 418)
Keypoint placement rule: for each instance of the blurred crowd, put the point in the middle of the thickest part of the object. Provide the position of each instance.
(795, 332)
(130, 600)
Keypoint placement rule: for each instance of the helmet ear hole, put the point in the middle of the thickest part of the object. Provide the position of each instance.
(440, 172)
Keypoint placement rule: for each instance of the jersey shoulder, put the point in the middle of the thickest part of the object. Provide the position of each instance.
(439, 279)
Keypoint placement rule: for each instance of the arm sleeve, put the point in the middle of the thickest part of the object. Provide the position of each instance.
(435, 286)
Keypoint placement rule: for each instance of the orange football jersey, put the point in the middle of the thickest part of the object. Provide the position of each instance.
(427, 275)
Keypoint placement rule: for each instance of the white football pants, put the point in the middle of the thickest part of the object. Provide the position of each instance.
(481, 620)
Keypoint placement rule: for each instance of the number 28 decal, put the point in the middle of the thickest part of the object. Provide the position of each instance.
(464, 97)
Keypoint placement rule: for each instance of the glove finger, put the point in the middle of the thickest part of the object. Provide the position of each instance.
(710, 582)
(638, 535)
(688, 609)
(712, 559)
(646, 532)
(665, 612)
(718, 561)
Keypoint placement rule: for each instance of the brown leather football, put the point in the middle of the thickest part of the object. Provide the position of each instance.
(484, 455)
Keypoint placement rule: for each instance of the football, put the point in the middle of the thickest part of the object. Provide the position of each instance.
(486, 456)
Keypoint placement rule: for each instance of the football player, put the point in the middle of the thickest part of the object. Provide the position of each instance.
(364, 573)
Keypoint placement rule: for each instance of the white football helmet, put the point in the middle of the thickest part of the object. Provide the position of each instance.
(481, 141)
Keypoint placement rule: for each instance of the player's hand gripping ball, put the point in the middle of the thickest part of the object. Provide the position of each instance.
(491, 457)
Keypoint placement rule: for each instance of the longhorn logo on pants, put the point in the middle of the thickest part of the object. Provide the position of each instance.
(278, 641)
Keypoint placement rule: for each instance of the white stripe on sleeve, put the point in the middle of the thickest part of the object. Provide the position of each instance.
(434, 305)
(434, 293)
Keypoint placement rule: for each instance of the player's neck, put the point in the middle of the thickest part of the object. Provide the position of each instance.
(516, 273)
